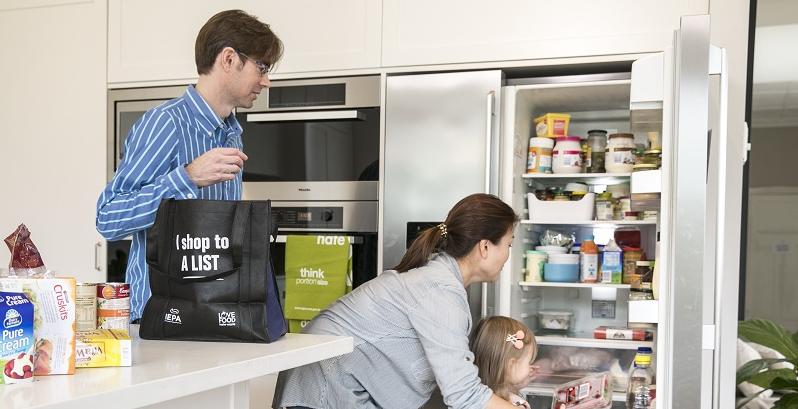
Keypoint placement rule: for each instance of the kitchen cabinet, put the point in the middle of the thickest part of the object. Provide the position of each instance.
(53, 146)
(416, 32)
(154, 41)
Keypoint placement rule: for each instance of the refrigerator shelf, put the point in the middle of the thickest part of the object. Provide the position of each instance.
(542, 389)
(586, 340)
(594, 223)
(572, 285)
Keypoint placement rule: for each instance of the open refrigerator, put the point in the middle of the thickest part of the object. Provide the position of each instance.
(451, 134)
(679, 94)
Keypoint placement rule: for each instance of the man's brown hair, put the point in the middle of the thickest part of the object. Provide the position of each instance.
(240, 31)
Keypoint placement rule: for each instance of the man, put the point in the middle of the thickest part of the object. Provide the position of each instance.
(189, 147)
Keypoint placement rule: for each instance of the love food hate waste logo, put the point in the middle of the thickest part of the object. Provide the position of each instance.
(227, 319)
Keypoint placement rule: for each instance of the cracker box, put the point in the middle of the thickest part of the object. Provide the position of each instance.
(16, 338)
(102, 347)
(53, 321)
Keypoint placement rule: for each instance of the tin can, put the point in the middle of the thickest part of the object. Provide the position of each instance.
(86, 306)
(113, 306)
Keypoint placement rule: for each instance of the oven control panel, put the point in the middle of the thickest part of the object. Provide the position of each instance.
(308, 217)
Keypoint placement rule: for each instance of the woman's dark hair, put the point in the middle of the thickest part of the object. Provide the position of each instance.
(240, 31)
(477, 217)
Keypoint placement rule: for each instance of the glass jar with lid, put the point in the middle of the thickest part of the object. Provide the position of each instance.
(651, 157)
(620, 155)
(597, 141)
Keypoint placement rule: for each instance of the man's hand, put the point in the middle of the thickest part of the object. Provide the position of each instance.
(216, 165)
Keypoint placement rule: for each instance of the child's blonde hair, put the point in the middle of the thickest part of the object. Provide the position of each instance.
(492, 343)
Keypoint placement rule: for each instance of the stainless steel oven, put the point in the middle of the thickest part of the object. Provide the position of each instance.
(316, 139)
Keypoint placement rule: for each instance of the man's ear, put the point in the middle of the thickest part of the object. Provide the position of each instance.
(227, 59)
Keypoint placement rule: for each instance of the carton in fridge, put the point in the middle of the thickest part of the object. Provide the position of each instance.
(53, 321)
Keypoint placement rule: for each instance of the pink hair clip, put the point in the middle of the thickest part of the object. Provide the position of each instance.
(515, 339)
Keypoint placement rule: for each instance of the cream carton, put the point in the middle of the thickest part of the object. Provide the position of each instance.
(16, 338)
(53, 321)
(102, 347)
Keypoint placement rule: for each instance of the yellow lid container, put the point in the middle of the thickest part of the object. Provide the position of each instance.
(552, 125)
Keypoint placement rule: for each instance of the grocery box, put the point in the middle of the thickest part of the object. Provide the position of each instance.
(552, 125)
(102, 347)
(16, 338)
(561, 211)
(53, 321)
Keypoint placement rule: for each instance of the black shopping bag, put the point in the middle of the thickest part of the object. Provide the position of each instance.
(211, 273)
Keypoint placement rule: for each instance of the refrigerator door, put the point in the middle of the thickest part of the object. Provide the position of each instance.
(699, 330)
(439, 148)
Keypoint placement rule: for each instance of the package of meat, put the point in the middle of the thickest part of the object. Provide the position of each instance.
(590, 392)
(25, 258)
(631, 334)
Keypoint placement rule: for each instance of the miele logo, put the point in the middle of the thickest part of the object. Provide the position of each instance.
(173, 317)
(304, 189)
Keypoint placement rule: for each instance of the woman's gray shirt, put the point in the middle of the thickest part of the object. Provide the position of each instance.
(410, 330)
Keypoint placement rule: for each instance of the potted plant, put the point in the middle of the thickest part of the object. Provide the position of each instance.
(762, 372)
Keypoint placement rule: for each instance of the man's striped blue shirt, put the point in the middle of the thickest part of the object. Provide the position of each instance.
(159, 145)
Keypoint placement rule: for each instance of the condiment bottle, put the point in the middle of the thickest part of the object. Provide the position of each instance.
(588, 261)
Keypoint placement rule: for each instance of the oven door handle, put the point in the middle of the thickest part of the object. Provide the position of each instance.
(306, 116)
(352, 239)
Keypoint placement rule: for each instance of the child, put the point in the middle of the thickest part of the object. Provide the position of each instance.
(504, 350)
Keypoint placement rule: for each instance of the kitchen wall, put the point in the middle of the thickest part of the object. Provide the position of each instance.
(52, 147)
(773, 157)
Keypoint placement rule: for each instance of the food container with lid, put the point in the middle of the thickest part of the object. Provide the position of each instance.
(555, 320)
(620, 154)
(534, 265)
(597, 140)
(575, 187)
(539, 159)
(552, 249)
(561, 273)
(552, 125)
(567, 155)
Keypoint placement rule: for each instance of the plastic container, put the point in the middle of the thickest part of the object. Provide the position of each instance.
(618, 190)
(564, 258)
(575, 187)
(552, 249)
(534, 266)
(654, 140)
(555, 320)
(631, 255)
(597, 141)
(588, 260)
(638, 394)
(561, 273)
(567, 155)
(620, 155)
(591, 392)
(604, 207)
(552, 125)
(561, 211)
(539, 159)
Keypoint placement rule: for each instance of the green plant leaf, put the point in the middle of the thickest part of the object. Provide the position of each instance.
(788, 401)
(771, 335)
(754, 367)
(785, 384)
(767, 378)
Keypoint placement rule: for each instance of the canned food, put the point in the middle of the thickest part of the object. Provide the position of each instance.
(113, 306)
(86, 306)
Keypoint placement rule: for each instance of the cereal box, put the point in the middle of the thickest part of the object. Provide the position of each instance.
(102, 347)
(16, 338)
(53, 321)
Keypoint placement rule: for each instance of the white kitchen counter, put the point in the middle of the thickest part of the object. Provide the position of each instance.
(170, 374)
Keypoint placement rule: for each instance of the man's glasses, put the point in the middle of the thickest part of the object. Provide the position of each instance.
(262, 67)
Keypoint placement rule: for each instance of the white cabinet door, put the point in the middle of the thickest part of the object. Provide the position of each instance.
(52, 149)
(451, 31)
(154, 41)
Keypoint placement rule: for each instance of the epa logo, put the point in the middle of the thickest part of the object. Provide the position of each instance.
(173, 317)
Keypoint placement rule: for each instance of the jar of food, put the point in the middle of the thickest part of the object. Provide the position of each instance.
(651, 157)
(585, 155)
(534, 265)
(640, 167)
(562, 197)
(604, 207)
(597, 141)
(645, 270)
(539, 159)
(567, 155)
(620, 155)
(631, 255)
(654, 140)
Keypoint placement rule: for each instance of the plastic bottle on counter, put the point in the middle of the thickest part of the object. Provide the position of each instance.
(640, 377)
(588, 261)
